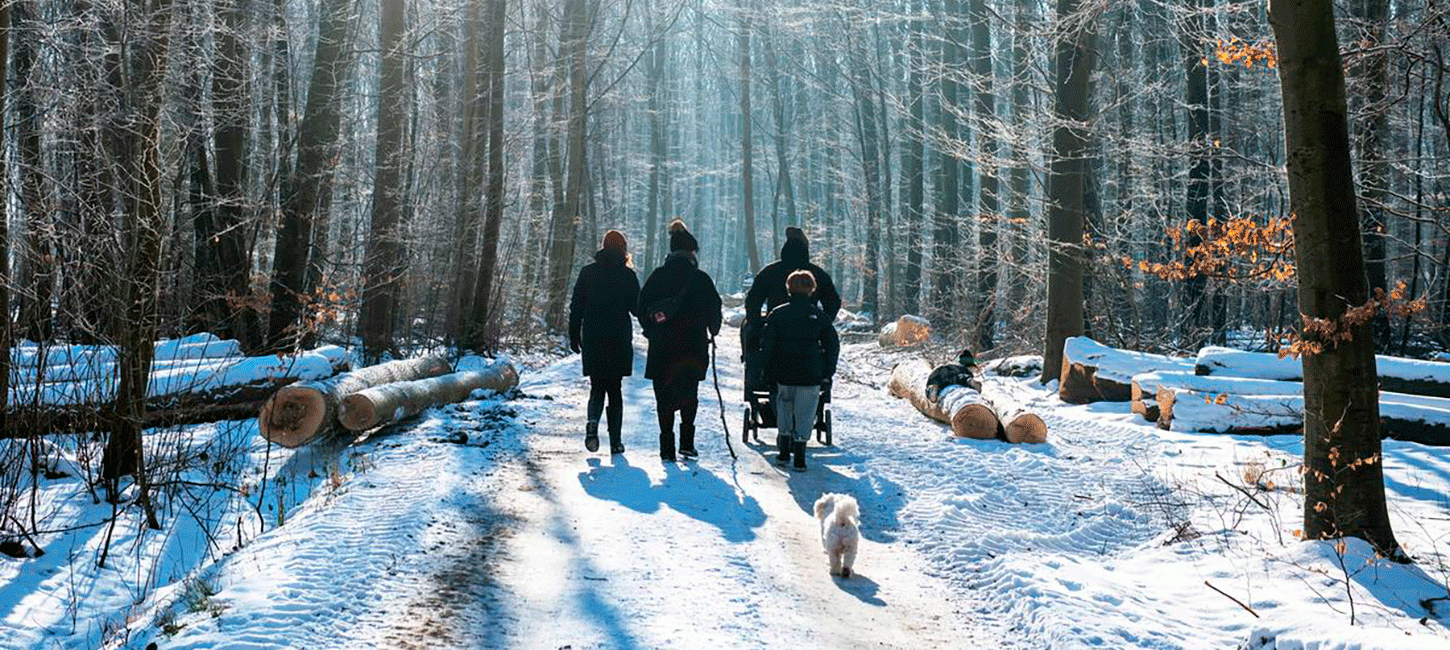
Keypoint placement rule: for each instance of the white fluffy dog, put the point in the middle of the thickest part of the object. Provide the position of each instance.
(840, 530)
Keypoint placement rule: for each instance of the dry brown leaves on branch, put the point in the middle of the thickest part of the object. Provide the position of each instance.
(1235, 249)
(1320, 334)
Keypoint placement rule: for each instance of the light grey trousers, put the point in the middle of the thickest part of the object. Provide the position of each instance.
(795, 410)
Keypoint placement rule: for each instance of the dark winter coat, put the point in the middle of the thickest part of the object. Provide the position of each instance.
(952, 374)
(679, 349)
(768, 288)
(798, 344)
(605, 295)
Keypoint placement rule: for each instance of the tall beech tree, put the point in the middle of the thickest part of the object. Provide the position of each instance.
(1073, 62)
(1343, 478)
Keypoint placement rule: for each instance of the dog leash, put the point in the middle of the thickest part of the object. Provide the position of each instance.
(715, 368)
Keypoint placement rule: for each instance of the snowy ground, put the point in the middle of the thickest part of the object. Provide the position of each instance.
(1114, 535)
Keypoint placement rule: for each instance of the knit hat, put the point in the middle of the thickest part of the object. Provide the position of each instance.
(614, 241)
(792, 232)
(966, 358)
(681, 239)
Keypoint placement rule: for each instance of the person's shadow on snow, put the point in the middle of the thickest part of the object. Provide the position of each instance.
(880, 499)
(622, 483)
(687, 489)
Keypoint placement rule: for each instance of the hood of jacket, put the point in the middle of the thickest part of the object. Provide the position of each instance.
(609, 257)
(795, 253)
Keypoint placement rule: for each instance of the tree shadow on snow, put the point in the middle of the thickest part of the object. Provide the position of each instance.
(688, 489)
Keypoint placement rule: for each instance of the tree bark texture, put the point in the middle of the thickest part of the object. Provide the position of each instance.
(384, 258)
(308, 192)
(1074, 61)
(300, 413)
(574, 51)
(988, 213)
(480, 339)
(747, 150)
(388, 403)
(1343, 479)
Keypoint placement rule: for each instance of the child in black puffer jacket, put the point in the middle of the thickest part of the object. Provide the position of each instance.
(799, 348)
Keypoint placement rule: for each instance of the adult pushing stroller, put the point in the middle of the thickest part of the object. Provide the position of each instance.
(759, 410)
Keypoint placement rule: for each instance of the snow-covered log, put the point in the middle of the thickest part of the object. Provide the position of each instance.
(1018, 424)
(301, 412)
(907, 330)
(1416, 418)
(1093, 372)
(1396, 374)
(1144, 395)
(963, 408)
(1171, 388)
(389, 403)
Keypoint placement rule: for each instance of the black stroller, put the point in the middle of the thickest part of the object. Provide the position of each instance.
(759, 411)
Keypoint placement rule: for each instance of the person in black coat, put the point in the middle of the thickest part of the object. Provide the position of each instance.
(605, 295)
(799, 348)
(679, 310)
(768, 289)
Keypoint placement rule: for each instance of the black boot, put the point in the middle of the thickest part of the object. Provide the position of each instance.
(782, 443)
(616, 445)
(667, 446)
(799, 452)
(591, 436)
(687, 441)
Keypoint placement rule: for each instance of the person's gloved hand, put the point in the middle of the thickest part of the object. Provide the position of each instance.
(574, 344)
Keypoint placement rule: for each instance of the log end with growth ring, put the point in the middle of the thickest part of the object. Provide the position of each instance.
(356, 412)
(1026, 428)
(975, 421)
(293, 416)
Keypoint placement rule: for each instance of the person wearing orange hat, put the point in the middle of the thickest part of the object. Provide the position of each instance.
(600, 329)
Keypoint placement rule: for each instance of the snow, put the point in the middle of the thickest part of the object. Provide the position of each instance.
(1266, 365)
(181, 376)
(1118, 365)
(486, 524)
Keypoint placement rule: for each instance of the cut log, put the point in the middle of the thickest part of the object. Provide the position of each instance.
(1018, 424)
(1144, 390)
(1174, 387)
(1396, 374)
(1093, 372)
(1414, 418)
(301, 412)
(389, 403)
(907, 330)
(961, 407)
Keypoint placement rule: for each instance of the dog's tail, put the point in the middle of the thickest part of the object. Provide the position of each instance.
(846, 512)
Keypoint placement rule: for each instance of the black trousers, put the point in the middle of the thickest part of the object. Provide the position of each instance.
(601, 388)
(676, 395)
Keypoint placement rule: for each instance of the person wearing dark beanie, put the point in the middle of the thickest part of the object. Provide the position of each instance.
(679, 310)
(681, 239)
(768, 289)
(605, 296)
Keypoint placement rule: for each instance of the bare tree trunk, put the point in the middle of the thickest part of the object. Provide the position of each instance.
(1196, 203)
(1343, 479)
(747, 153)
(37, 261)
(383, 264)
(124, 452)
(574, 50)
(946, 239)
(5, 324)
(913, 154)
(1074, 62)
(493, 195)
(462, 317)
(308, 194)
(985, 105)
(222, 243)
(655, 72)
(866, 133)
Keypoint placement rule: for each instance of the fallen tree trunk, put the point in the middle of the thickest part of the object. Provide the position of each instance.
(232, 403)
(1093, 372)
(389, 403)
(1396, 374)
(1415, 418)
(1168, 386)
(963, 408)
(301, 412)
(1018, 424)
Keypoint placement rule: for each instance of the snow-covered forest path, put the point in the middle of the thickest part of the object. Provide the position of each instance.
(487, 525)
(629, 552)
